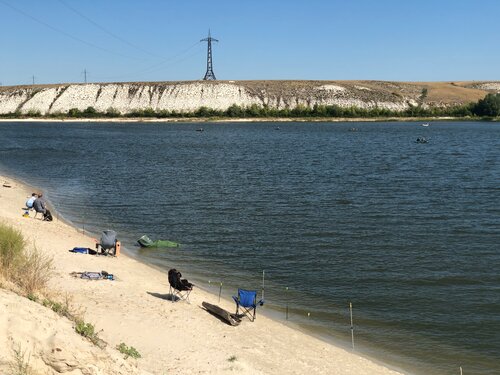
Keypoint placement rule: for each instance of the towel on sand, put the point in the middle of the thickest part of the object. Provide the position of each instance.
(93, 275)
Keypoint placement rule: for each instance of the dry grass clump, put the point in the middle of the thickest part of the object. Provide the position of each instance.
(36, 271)
(20, 365)
(68, 310)
(64, 308)
(12, 246)
(28, 269)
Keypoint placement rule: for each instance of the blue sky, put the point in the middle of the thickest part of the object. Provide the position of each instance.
(158, 40)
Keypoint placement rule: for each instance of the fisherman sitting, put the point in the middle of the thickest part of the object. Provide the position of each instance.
(41, 207)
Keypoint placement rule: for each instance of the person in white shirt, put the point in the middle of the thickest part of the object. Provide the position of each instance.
(29, 202)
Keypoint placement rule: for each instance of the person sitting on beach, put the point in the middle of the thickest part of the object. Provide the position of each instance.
(30, 201)
(41, 207)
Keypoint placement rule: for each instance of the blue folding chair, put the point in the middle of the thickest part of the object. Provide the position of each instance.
(247, 300)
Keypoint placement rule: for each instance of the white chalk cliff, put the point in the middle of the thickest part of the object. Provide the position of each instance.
(190, 96)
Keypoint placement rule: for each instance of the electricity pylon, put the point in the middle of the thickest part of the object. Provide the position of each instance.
(209, 75)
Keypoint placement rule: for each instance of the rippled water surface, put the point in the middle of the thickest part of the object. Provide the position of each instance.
(409, 233)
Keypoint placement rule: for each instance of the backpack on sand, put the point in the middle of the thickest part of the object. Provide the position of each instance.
(47, 216)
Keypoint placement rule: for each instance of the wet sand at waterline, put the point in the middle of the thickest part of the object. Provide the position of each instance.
(173, 338)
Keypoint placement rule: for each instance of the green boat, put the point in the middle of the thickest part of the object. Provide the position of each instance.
(145, 241)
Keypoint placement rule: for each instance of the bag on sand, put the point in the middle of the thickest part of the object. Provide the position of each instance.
(47, 216)
(83, 250)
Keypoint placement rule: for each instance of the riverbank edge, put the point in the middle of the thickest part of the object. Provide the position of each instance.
(372, 365)
(247, 120)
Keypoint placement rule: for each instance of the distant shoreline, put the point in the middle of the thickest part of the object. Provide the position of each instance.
(252, 101)
(246, 119)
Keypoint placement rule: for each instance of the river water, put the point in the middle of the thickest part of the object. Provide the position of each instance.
(407, 232)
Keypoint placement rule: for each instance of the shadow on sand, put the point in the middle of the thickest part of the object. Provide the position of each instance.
(167, 297)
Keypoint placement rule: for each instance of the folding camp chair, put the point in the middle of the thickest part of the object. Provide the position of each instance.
(107, 243)
(247, 300)
(30, 210)
(179, 288)
(37, 212)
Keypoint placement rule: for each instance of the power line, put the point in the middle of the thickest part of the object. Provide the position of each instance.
(174, 62)
(63, 32)
(171, 60)
(156, 67)
(117, 37)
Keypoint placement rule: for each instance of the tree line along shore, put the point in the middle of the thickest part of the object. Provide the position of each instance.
(487, 108)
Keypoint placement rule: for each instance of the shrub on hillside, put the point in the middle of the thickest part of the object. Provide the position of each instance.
(35, 271)
(129, 351)
(88, 330)
(112, 112)
(74, 112)
(34, 113)
(21, 363)
(28, 269)
(489, 106)
(12, 246)
(90, 112)
(235, 111)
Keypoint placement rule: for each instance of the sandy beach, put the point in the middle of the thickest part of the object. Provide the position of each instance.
(172, 338)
